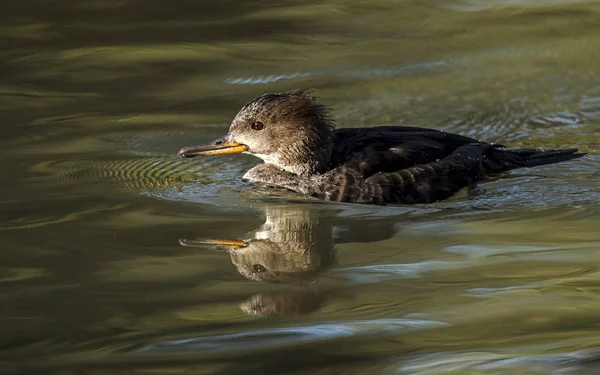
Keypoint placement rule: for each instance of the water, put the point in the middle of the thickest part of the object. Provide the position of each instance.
(101, 270)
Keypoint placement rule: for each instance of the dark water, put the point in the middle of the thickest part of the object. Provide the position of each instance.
(99, 269)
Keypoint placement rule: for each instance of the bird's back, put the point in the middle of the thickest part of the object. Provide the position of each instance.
(392, 148)
(417, 165)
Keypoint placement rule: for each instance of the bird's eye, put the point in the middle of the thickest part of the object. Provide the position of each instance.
(257, 125)
(258, 268)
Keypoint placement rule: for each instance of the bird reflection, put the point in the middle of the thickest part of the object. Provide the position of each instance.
(294, 246)
(282, 304)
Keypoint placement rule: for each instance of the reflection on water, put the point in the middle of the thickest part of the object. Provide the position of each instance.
(271, 304)
(295, 245)
(292, 245)
(97, 97)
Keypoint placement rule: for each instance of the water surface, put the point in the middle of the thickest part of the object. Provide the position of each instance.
(101, 271)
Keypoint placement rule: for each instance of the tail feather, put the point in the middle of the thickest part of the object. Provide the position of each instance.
(542, 157)
(500, 160)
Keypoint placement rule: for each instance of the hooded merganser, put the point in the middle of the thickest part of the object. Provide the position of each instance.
(293, 245)
(302, 151)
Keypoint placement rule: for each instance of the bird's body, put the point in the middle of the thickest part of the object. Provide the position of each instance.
(302, 151)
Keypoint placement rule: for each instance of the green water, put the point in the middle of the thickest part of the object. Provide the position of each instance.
(99, 272)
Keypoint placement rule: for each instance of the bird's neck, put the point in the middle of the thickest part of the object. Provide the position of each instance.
(307, 163)
(301, 162)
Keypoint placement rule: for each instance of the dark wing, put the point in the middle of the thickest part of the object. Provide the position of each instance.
(434, 181)
(392, 148)
(423, 183)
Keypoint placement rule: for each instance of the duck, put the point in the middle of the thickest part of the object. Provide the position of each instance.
(302, 151)
(294, 245)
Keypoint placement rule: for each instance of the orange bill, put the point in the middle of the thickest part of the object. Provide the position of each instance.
(220, 146)
(228, 244)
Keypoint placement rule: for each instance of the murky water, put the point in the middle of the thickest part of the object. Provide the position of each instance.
(101, 271)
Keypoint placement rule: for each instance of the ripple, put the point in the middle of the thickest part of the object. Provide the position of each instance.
(359, 73)
(277, 337)
(476, 6)
(578, 362)
(381, 272)
(132, 174)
